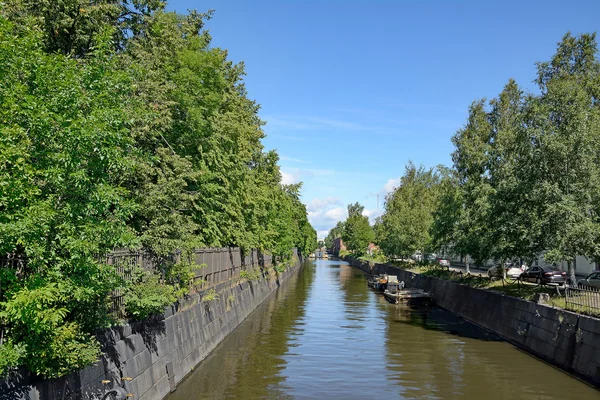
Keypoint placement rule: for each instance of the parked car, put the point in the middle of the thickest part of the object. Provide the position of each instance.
(430, 257)
(544, 276)
(443, 262)
(417, 256)
(512, 271)
(592, 280)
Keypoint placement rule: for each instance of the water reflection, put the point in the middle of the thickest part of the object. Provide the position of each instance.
(326, 335)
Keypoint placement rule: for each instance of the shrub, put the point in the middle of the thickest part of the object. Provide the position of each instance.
(210, 295)
(146, 295)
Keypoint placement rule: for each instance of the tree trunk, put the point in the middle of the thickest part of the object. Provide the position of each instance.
(467, 265)
(571, 273)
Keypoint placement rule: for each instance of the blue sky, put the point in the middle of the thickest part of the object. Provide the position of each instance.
(352, 90)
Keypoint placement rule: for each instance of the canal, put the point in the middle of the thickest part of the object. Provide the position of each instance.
(325, 334)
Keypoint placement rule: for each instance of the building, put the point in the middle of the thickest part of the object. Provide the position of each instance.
(338, 246)
(372, 249)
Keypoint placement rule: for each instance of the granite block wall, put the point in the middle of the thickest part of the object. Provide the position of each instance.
(149, 358)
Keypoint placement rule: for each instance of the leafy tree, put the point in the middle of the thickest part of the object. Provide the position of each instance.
(334, 233)
(357, 232)
(121, 127)
(65, 151)
(566, 128)
(405, 225)
(472, 234)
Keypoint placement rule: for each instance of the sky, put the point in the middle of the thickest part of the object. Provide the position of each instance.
(352, 90)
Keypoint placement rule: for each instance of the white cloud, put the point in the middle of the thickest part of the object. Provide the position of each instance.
(336, 214)
(391, 184)
(322, 234)
(372, 214)
(288, 179)
(296, 175)
(319, 204)
(324, 213)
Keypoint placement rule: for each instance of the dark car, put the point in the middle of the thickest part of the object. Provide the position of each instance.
(591, 281)
(544, 276)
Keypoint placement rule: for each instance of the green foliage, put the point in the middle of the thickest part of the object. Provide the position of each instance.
(210, 295)
(334, 233)
(253, 274)
(11, 356)
(121, 127)
(526, 169)
(357, 232)
(406, 223)
(181, 275)
(145, 294)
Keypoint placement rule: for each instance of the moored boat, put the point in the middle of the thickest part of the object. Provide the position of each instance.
(382, 282)
(408, 296)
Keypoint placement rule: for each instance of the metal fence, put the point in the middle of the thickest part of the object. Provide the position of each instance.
(583, 299)
(219, 265)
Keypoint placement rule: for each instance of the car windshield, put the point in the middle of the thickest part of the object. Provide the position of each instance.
(550, 269)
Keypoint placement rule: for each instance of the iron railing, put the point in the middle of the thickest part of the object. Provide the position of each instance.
(219, 265)
(586, 299)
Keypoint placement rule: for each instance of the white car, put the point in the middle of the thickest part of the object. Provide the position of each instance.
(442, 262)
(512, 272)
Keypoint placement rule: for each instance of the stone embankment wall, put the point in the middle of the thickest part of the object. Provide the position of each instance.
(567, 340)
(156, 354)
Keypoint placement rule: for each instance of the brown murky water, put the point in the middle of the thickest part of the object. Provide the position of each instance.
(325, 335)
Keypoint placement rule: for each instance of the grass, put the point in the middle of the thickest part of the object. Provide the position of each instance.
(378, 258)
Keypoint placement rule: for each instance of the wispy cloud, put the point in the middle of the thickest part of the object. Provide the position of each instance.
(294, 160)
(391, 185)
(311, 123)
(317, 205)
(296, 175)
(289, 178)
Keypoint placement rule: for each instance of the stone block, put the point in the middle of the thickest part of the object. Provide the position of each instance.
(589, 324)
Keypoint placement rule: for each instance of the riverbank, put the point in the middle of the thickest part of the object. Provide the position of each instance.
(149, 358)
(565, 339)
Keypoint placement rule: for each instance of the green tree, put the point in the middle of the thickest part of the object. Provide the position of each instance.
(472, 235)
(121, 127)
(357, 232)
(405, 225)
(566, 126)
(334, 233)
(65, 150)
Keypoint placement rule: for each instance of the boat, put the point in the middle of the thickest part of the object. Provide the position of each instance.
(381, 282)
(408, 296)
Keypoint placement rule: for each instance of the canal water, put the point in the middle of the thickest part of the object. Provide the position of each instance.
(326, 335)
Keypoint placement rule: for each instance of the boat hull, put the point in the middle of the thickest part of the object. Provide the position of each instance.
(409, 297)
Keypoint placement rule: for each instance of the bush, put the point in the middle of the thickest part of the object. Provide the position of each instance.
(251, 274)
(210, 295)
(146, 295)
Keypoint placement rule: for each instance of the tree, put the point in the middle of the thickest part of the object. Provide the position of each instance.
(357, 232)
(405, 225)
(566, 127)
(334, 233)
(472, 235)
(121, 127)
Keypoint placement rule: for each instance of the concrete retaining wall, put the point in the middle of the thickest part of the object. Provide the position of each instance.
(157, 353)
(565, 339)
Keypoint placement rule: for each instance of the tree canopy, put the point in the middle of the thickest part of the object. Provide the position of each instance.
(357, 233)
(526, 167)
(122, 127)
